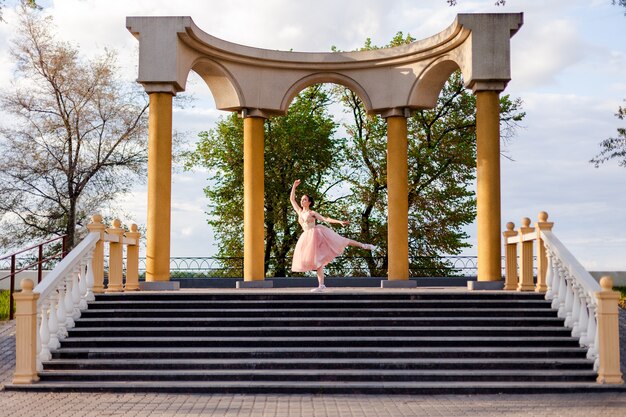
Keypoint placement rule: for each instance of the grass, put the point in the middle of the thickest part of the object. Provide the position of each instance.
(4, 304)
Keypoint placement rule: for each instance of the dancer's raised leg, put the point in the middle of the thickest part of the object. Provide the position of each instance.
(365, 246)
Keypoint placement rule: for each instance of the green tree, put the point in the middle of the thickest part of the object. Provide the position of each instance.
(75, 139)
(298, 145)
(442, 163)
(613, 148)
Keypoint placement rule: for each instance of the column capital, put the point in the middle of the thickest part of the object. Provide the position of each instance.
(169, 88)
(261, 113)
(396, 112)
(478, 86)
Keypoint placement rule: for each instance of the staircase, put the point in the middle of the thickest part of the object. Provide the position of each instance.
(344, 341)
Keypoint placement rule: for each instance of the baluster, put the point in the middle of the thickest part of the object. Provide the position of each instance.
(556, 281)
(44, 333)
(584, 316)
(575, 308)
(82, 286)
(75, 293)
(550, 275)
(61, 316)
(562, 292)
(68, 303)
(569, 298)
(592, 332)
(596, 352)
(38, 363)
(90, 296)
(53, 324)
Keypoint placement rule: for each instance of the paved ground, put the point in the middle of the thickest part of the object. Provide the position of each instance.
(67, 404)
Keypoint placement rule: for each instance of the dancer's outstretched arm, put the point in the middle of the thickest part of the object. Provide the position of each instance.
(330, 220)
(292, 197)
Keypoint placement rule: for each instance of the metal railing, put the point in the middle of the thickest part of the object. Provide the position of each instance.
(24, 263)
(214, 267)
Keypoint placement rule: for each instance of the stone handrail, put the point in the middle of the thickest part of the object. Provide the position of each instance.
(588, 308)
(46, 312)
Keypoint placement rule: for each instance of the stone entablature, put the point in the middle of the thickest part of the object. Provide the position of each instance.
(265, 81)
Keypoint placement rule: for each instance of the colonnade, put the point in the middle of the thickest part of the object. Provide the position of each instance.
(487, 193)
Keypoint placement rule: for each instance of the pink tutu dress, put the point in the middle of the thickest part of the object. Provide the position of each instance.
(317, 246)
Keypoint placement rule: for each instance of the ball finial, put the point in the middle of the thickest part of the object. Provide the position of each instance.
(543, 216)
(525, 222)
(27, 285)
(606, 282)
(96, 218)
(117, 223)
(510, 226)
(133, 228)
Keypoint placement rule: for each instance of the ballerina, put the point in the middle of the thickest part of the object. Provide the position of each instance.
(318, 244)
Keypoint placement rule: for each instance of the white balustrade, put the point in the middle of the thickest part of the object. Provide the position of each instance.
(575, 294)
(60, 298)
(66, 291)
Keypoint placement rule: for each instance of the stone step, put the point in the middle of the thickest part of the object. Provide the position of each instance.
(314, 363)
(318, 304)
(319, 341)
(329, 375)
(330, 321)
(321, 312)
(321, 352)
(322, 387)
(335, 295)
(316, 331)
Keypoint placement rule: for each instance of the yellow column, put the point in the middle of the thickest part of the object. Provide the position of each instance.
(159, 187)
(398, 199)
(542, 258)
(132, 260)
(526, 258)
(116, 258)
(510, 277)
(608, 334)
(26, 334)
(253, 199)
(97, 262)
(488, 184)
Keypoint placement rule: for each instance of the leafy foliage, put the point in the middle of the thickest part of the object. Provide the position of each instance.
(613, 148)
(75, 140)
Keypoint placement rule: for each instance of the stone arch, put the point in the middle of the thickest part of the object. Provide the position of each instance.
(430, 82)
(325, 77)
(224, 88)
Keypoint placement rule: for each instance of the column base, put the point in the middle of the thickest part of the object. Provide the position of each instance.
(526, 287)
(610, 379)
(159, 285)
(254, 284)
(541, 288)
(485, 285)
(25, 379)
(398, 283)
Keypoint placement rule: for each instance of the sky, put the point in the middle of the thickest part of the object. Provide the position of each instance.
(568, 62)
